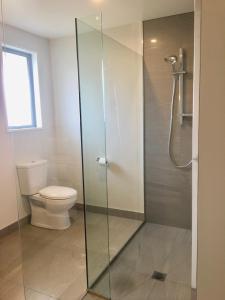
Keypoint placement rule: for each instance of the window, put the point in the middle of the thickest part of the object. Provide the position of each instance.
(18, 77)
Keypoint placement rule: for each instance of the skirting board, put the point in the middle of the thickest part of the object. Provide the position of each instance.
(112, 212)
(14, 226)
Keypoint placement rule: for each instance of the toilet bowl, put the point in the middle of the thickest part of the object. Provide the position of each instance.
(50, 205)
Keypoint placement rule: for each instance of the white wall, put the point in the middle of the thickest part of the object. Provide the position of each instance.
(123, 88)
(67, 157)
(39, 143)
(124, 126)
(8, 202)
(123, 53)
(130, 35)
(59, 139)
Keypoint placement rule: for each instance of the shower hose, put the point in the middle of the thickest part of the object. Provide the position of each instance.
(170, 150)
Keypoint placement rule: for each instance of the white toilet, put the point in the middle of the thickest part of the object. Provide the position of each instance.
(49, 204)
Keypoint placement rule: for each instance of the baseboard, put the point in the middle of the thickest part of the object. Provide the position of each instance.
(24, 221)
(14, 226)
(126, 214)
(112, 211)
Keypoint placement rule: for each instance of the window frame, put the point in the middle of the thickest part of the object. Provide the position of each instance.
(29, 58)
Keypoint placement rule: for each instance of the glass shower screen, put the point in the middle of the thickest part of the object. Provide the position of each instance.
(90, 59)
(111, 102)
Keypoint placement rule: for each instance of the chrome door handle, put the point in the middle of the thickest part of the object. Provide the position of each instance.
(102, 161)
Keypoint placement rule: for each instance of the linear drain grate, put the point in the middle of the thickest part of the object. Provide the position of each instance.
(159, 276)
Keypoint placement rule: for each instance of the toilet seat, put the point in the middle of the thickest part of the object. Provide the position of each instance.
(57, 193)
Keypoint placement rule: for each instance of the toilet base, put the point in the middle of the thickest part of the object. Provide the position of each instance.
(40, 217)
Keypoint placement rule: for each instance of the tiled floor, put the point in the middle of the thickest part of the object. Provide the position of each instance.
(92, 297)
(53, 261)
(104, 244)
(154, 248)
(11, 281)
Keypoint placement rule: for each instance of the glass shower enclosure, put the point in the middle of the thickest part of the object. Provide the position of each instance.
(111, 108)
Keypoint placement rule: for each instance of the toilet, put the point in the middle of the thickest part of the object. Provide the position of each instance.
(50, 205)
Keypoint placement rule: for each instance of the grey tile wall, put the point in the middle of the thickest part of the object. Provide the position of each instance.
(167, 189)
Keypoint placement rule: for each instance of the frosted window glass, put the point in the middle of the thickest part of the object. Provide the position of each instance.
(18, 85)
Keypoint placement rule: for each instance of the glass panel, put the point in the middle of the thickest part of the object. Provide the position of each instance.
(123, 95)
(124, 140)
(90, 56)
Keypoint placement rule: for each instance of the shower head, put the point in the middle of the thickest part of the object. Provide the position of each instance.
(171, 59)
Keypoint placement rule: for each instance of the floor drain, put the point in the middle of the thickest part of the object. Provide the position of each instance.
(159, 276)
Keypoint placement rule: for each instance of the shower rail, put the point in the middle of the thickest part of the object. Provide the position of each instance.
(177, 74)
(181, 74)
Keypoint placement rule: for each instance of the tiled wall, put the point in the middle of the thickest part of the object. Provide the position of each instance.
(123, 97)
(67, 154)
(167, 189)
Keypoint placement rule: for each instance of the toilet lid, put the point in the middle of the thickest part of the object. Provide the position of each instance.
(58, 192)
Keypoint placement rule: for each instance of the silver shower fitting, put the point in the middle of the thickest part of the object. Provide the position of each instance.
(178, 75)
(172, 60)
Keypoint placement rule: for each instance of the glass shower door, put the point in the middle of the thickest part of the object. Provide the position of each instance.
(90, 61)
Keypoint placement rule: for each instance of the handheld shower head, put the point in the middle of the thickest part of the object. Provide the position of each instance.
(171, 59)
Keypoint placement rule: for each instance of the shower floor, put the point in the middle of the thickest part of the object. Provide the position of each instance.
(154, 248)
(54, 264)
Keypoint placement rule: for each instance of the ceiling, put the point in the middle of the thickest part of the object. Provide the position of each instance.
(55, 18)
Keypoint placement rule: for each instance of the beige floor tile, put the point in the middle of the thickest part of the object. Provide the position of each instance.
(76, 290)
(11, 290)
(54, 261)
(53, 270)
(10, 253)
(72, 237)
(120, 231)
(103, 242)
(33, 295)
(92, 297)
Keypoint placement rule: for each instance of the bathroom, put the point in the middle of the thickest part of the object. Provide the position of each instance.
(99, 129)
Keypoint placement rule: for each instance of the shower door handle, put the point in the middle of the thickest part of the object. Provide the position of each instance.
(102, 161)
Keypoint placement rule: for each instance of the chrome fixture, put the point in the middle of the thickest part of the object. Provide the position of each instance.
(178, 75)
(171, 60)
(102, 161)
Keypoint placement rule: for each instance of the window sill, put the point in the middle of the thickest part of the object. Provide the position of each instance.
(24, 129)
